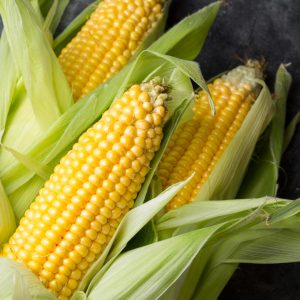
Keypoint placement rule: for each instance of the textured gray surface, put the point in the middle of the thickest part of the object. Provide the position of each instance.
(253, 28)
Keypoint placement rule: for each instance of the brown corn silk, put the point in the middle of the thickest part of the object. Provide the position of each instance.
(77, 212)
(198, 144)
(107, 41)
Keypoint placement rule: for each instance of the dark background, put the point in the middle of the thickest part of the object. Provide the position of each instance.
(252, 29)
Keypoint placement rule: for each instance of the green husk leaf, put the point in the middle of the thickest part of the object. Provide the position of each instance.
(39, 169)
(7, 217)
(36, 61)
(47, 150)
(262, 174)
(290, 130)
(282, 246)
(55, 14)
(79, 295)
(204, 213)
(148, 234)
(44, 6)
(9, 78)
(150, 270)
(265, 242)
(18, 282)
(207, 213)
(286, 211)
(22, 129)
(186, 39)
(227, 175)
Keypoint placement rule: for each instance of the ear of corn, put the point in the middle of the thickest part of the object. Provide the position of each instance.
(78, 210)
(22, 184)
(24, 187)
(198, 144)
(260, 180)
(107, 41)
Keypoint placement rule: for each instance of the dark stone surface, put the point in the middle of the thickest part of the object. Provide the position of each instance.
(252, 29)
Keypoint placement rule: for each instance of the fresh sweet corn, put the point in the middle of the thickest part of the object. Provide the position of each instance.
(199, 143)
(108, 40)
(75, 215)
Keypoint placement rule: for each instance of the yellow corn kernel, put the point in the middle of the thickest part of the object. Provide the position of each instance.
(199, 143)
(107, 41)
(60, 243)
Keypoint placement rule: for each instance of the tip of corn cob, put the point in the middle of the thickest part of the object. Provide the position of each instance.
(258, 65)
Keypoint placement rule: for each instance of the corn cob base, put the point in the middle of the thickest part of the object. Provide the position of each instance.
(198, 144)
(77, 212)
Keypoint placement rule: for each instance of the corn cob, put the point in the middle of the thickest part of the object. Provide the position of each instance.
(77, 212)
(108, 40)
(199, 143)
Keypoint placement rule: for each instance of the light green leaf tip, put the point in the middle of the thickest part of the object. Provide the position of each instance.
(7, 217)
(34, 57)
(17, 282)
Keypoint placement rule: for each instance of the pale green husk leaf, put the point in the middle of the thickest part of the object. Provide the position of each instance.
(18, 282)
(290, 130)
(150, 270)
(7, 217)
(39, 68)
(262, 174)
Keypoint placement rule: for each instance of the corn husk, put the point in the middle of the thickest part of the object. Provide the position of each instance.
(18, 282)
(150, 269)
(262, 175)
(261, 233)
(34, 58)
(290, 131)
(19, 175)
(7, 217)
